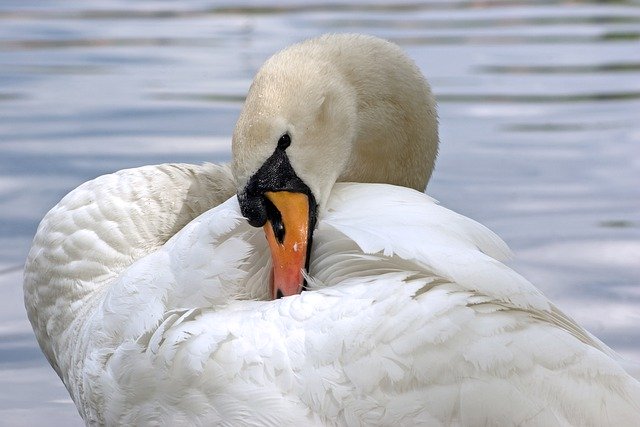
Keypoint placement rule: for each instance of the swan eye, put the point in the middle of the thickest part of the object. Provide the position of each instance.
(284, 141)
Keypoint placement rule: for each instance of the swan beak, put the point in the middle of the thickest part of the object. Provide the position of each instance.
(288, 237)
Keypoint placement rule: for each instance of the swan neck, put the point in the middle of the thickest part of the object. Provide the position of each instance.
(396, 139)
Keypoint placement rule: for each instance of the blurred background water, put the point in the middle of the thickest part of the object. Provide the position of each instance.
(539, 111)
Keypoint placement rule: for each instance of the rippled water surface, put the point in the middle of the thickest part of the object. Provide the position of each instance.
(539, 108)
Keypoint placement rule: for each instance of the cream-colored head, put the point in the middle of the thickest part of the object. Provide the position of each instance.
(339, 107)
(356, 109)
(309, 102)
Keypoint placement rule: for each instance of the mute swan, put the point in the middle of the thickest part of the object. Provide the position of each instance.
(155, 309)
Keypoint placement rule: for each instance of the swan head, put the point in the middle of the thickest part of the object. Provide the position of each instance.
(339, 107)
(298, 123)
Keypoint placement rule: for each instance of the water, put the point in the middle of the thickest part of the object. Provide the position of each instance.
(539, 108)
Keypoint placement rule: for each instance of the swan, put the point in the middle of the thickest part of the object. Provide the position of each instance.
(159, 300)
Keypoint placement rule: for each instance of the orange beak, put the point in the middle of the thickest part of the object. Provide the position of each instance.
(288, 240)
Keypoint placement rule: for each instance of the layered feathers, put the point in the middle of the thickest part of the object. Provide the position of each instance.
(410, 319)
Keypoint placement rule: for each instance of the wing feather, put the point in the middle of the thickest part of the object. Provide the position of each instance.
(412, 319)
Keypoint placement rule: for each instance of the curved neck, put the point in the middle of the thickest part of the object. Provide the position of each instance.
(397, 136)
(356, 108)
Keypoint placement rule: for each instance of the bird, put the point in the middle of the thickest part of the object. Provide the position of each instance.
(311, 281)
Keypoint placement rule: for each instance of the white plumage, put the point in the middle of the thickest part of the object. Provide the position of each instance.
(153, 308)
(412, 319)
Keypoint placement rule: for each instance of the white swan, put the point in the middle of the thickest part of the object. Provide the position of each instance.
(150, 316)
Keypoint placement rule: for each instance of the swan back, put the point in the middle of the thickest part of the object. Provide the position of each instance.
(495, 348)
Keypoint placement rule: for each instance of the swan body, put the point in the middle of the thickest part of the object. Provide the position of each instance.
(149, 291)
(407, 323)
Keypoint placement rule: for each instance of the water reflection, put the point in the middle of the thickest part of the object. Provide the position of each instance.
(539, 113)
(452, 39)
(622, 67)
(475, 23)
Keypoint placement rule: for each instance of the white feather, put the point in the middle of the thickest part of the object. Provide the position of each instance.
(410, 321)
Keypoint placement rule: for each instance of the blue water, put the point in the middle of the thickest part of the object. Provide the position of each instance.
(539, 112)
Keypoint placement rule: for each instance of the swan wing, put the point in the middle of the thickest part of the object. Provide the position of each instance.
(398, 330)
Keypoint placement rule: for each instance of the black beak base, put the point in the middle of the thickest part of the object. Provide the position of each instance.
(275, 174)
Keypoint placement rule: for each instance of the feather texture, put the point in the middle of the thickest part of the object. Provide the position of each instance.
(411, 317)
